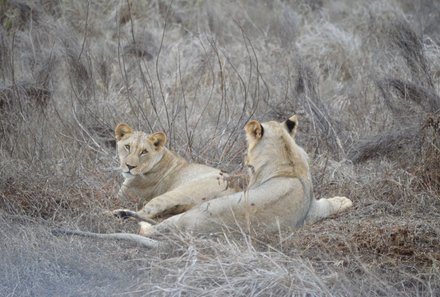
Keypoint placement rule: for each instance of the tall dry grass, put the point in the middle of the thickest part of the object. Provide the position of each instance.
(364, 77)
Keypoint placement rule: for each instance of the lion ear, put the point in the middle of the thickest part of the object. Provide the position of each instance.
(158, 139)
(121, 130)
(254, 130)
(291, 124)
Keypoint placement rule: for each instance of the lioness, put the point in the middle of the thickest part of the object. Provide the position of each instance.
(162, 182)
(279, 192)
(165, 182)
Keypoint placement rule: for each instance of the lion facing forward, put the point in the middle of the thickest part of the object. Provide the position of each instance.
(279, 192)
(162, 182)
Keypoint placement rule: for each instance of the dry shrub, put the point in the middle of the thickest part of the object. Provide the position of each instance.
(25, 93)
(401, 140)
(416, 149)
(428, 167)
(54, 197)
(16, 15)
(395, 256)
(385, 241)
(399, 244)
(409, 102)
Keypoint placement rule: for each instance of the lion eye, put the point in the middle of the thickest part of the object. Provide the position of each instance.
(144, 152)
(127, 147)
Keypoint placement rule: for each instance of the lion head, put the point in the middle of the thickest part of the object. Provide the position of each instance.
(138, 152)
(272, 150)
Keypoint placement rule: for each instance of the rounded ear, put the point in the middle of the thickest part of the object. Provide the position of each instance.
(291, 124)
(121, 130)
(254, 130)
(158, 139)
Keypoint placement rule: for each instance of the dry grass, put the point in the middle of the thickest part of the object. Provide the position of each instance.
(365, 77)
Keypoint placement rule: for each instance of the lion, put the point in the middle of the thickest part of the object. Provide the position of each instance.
(162, 182)
(279, 194)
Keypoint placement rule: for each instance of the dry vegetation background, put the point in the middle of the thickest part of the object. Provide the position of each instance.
(364, 74)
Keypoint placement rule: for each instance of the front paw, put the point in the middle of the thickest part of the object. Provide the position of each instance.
(124, 214)
(237, 182)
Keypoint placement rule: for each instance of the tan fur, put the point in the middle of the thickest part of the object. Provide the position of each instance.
(162, 182)
(279, 192)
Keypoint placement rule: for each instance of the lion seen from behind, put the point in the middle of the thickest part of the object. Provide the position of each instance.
(279, 194)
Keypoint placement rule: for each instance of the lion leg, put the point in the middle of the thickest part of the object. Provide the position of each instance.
(185, 197)
(127, 213)
(172, 223)
(324, 207)
(259, 206)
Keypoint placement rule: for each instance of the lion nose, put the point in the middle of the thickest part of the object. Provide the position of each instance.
(130, 167)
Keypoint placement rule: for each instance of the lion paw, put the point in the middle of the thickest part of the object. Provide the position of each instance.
(340, 203)
(146, 229)
(124, 214)
(237, 181)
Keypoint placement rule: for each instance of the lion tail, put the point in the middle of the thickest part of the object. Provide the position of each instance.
(138, 239)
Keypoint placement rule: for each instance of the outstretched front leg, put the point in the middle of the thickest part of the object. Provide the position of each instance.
(179, 200)
(127, 213)
(185, 197)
